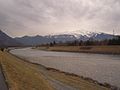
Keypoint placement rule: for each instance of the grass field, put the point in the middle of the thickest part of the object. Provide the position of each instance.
(22, 75)
(85, 49)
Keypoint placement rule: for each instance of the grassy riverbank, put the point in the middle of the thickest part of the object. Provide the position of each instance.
(22, 75)
(85, 49)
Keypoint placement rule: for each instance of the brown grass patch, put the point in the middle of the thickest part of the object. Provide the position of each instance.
(85, 49)
(22, 75)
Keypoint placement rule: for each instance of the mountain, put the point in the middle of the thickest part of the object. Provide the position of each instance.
(6, 40)
(63, 37)
(86, 35)
(35, 40)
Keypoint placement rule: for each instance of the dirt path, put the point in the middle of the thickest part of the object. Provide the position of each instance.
(55, 83)
(3, 85)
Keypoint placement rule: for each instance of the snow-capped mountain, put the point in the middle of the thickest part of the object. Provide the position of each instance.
(79, 33)
(86, 35)
(64, 37)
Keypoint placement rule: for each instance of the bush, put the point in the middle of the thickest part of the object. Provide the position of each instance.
(2, 49)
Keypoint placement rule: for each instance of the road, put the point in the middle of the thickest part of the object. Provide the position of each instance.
(3, 85)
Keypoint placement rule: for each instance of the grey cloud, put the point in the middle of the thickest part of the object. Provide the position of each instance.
(22, 15)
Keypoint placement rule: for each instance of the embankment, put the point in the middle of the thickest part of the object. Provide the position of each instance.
(85, 49)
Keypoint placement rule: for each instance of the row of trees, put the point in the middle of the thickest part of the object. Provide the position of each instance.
(114, 41)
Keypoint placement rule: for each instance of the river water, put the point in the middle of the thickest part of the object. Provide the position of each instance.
(100, 67)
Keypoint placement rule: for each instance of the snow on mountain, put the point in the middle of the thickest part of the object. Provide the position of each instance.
(64, 37)
(86, 35)
(81, 33)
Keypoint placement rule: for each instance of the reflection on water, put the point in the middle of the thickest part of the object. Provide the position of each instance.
(104, 68)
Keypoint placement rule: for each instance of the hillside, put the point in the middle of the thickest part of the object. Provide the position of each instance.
(6, 40)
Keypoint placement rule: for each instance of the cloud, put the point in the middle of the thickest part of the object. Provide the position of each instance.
(20, 17)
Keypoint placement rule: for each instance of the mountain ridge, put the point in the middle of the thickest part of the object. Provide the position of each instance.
(6, 40)
(63, 37)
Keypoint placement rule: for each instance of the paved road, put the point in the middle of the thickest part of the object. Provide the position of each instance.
(3, 85)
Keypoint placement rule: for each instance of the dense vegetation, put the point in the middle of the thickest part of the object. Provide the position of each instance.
(114, 41)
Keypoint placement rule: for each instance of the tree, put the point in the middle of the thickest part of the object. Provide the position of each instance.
(54, 42)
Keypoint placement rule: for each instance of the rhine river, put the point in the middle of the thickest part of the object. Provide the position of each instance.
(100, 67)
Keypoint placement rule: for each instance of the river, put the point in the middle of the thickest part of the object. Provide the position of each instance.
(100, 67)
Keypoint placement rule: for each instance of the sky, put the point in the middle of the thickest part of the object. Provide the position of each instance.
(43, 17)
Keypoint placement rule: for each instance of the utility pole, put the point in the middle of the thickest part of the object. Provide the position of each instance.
(113, 33)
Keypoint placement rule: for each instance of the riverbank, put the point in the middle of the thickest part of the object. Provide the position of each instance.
(22, 75)
(84, 49)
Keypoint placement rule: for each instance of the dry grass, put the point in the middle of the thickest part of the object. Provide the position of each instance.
(75, 81)
(87, 49)
(22, 75)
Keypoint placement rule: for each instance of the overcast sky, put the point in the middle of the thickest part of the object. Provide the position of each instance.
(31, 17)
